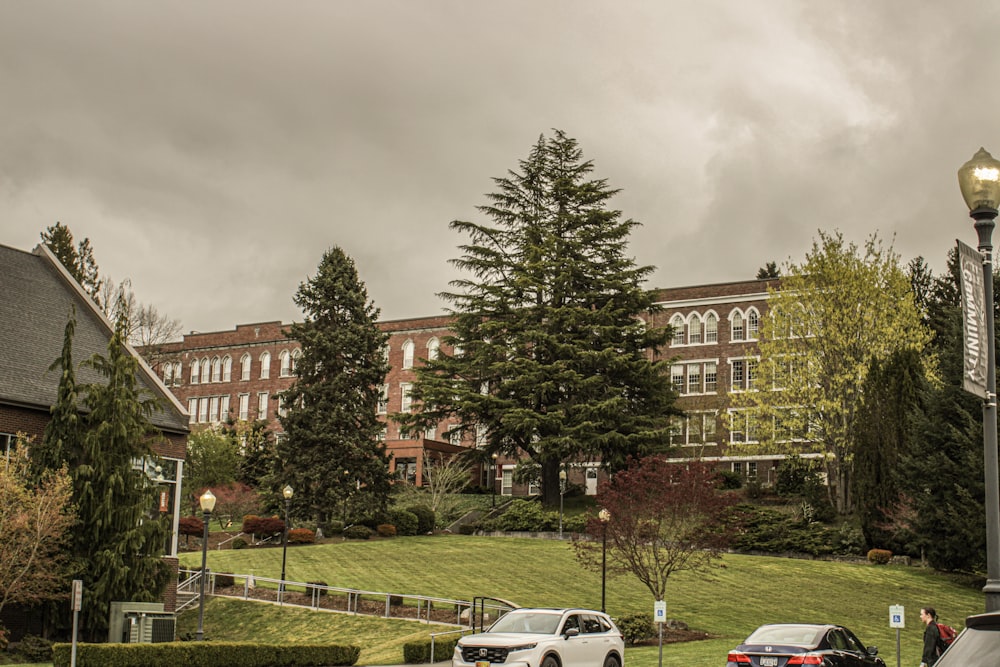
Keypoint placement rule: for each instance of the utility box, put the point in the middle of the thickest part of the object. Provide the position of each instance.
(140, 622)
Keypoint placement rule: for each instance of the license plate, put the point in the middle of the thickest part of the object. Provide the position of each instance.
(768, 661)
(482, 663)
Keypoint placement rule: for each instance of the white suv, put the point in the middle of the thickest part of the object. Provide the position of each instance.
(544, 638)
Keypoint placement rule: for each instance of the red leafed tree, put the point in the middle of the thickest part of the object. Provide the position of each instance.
(661, 518)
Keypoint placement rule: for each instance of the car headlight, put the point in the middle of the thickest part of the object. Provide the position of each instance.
(523, 647)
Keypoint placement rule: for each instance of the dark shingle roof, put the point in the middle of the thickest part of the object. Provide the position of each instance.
(36, 297)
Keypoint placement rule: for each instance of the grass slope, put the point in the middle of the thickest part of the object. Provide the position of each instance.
(729, 603)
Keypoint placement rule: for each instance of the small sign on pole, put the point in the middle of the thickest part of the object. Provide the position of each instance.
(897, 619)
(77, 603)
(660, 611)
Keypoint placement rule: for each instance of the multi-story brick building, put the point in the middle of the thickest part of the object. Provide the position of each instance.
(240, 373)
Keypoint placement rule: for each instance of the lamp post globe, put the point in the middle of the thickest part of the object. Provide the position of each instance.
(605, 516)
(979, 181)
(207, 502)
(287, 492)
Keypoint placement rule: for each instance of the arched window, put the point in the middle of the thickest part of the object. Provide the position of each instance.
(216, 369)
(284, 364)
(206, 371)
(711, 328)
(227, 368)
(677, 323)
(408, 347)
(265, 365)
(245, 367)
(433, 346)
(296, 355)
(753, 324)
(694, 329)
(168, 373)
(194, 371)
(737, 331)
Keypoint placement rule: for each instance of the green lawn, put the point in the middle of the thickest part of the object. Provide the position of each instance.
(736, 598)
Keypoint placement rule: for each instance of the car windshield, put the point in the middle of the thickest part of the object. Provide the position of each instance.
(973, 648)
(535, 622)
(787, 635)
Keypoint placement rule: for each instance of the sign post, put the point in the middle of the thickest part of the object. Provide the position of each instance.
(77, 594)
(660, 617)
(897, 620)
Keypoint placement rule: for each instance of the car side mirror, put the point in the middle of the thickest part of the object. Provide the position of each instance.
(872, 651)
(571, 632)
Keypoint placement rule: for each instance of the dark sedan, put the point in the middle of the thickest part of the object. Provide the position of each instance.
(784, 644)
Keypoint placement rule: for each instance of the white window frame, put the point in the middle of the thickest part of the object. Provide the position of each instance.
(711, 333)
(262, 397)
(408, 352)
(265, 365)
(227, 369)
(284, 364)
(405, 396)
(245, 366)
(244, 407)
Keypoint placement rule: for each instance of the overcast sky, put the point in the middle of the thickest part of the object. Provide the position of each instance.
(212, 151)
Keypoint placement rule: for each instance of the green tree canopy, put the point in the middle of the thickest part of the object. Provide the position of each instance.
(78, 259)
(551, 357)
(830, 318)
(332, 449)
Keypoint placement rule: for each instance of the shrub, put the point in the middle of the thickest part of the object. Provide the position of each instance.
(357, 532)
(386, 530)
(239, 543)
(224, 580)
(730, 481)
(636, 628)
(35, 649)
(262, 525)
(419, 652)
(3, 638)
(524, 515)
(469, 528)
(575, 524)
(332, 527)
(405, 521)
(301, 536)
(426, 520)
(879, 556)
(206, 654)
(191, 525)
(318, 586)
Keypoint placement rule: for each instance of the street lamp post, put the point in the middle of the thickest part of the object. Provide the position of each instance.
(562, 492)
(493, 481)
(979, 179)
(605, 516)
(207, 502)
(287, 493)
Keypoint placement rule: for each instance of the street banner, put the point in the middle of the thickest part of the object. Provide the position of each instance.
(975, 341)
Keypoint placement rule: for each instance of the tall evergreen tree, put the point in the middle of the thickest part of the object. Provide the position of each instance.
(117, 541)
(551, 357)
(332, 449)
(78, 259)
(62, 439)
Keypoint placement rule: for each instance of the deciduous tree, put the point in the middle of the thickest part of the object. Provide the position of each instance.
(330, 417)
(551, 357)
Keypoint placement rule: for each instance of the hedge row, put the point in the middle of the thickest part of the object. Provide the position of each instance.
(205, 654)
(420, 652)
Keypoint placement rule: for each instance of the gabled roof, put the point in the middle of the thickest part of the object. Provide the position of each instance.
(36, 297)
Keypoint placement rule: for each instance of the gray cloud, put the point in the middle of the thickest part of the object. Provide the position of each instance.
(212, 151)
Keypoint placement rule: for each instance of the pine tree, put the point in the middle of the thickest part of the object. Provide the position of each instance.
(62, 439)
(116, 539)
(332, 449)
(78, 260)
(551, 357)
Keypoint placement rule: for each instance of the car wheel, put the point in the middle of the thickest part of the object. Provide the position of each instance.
(611, 661)
(550, 661)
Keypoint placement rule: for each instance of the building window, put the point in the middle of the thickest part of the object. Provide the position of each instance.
(433, 347)
(738, 467)
(737, 332)
(406, 400)
(168, 373)
(203, 410)
(244, 407)
(694, 378)
(383, 399)
(711, 328)
(284, 364)
(8, 441)
(245, 367)
(282, 407)
(694, 330)
(406, 469)
(677, 377)
(265, 365)
(408, 354)
(296, 355)
(227, 368)
(213, 409)
(675, 431)
(677, 324)
(711, 376)
(751, 470)
(224, 407)
(481, 435)
(753, 324)
(738, 375)
(262, 405)
(192, 409)
(216, 369)
(751, 373)
(194, 372)
(382, 434)
(430, 433)
(709, 429)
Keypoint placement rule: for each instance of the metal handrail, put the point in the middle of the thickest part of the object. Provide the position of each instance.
(435, 635)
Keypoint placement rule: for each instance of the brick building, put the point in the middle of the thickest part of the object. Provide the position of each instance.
(38, 297)
(240, 373)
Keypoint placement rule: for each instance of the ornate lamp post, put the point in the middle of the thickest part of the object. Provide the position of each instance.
(605, 516)
(979, 179)
(562, 492)
(207, 502)
(287, 492)
(493, 481)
